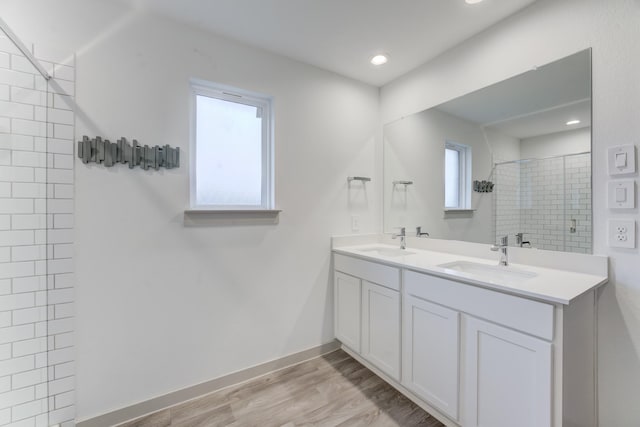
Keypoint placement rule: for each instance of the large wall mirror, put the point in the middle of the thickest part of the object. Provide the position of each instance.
(511, 159)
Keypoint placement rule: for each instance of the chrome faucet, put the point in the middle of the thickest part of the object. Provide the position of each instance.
(420, 233)
(502, 247)
(401, 235)
(520, 240)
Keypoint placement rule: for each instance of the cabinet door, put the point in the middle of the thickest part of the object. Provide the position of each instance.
(507, 377)
(381, 328)
(430, 353)
(347, 311)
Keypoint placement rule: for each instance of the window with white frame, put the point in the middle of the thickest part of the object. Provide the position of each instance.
(457, 176)
(231, 148)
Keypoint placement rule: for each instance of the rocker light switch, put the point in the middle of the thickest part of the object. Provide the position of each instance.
(622, 194)
(622, 160)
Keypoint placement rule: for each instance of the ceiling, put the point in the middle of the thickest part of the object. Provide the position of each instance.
(342, 35)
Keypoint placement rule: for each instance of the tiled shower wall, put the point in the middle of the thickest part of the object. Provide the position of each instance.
(36, 236)
(544, 199)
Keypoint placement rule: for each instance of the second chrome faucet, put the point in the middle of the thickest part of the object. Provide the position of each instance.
(502, 247)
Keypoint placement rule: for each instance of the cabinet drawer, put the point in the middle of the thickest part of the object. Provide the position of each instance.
(369, 271)
(532, 317)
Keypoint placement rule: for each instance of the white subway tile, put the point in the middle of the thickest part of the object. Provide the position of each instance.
(57, 206)
(42, 392)
(28, 190)
(40, 114)
(41, 237)
(41, 331)
(5, 61)
(16, 269)
(18, 237)
(64, 117)
(64, 72)
(29, 315)
(61, 131)
(5, 125)
(63, 102)
(60, 326)
(28, 96)
(58, 266)
(65, 281)
(62, 385)
(16, 174)
(64, 340)
(5, 93)
(63, 191)
(5, 319)
(5, 384)
(59, 176)
(57, 416)
(29, 158)
(63, 251)
(64, 370)
(5, 286)
(28, 127)
(5, 254)
(29, 378)
(16, 110)
(21, 63)
(29, 284)
(40, 144)
(60, 296)
(40, 206)
(29, 410)
(5, 189)
(16, 333)
(60, 236)
(41, 360)
(16, 397)
(29, 347)
(60, 146)
(5, 157)
(5, 351)
(16, 78)
(40, 175)
(15, 365)
(63, 221)
(16, 206)
(5, 416)
(63, 161)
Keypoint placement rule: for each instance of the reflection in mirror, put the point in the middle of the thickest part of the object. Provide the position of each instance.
(510, 159)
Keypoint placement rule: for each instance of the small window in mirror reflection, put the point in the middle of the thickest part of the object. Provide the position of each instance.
(457, 176)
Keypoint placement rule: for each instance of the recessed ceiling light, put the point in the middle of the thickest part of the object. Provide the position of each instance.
(473, 1)
(379, 59)
(573, 122)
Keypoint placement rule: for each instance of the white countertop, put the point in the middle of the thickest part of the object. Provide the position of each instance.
(550, 285)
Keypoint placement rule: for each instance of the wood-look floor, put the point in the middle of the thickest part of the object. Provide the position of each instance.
(332, 390)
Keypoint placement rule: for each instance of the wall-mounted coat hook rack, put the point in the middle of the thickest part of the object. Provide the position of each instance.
(358, 178)
(108, 153)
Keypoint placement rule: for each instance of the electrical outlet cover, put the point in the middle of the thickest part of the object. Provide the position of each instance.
(622, 194)
(622, 233)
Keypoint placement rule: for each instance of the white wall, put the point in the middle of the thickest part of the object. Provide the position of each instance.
(161, 306)
(546, 31)
(556, 144)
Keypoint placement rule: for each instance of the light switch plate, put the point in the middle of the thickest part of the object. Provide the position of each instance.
(622, 233)
(622, 160)
(622, 194)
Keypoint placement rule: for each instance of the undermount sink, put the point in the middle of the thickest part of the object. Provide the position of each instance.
(489, 272)
(390, 252)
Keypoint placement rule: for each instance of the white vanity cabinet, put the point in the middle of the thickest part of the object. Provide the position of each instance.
(471, 356)
(431, 351)
(367, 311)
(347, 311)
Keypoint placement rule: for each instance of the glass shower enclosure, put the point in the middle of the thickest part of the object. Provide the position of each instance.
(547, 200)
(36, 221)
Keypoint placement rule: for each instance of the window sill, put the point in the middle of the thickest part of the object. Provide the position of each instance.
(458, 210)
(204, 217)
(458, 213)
